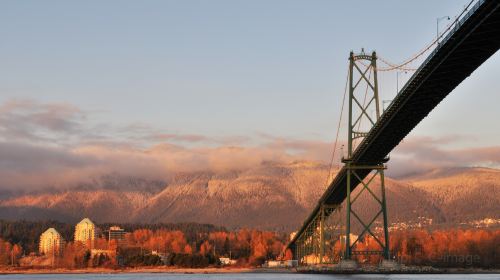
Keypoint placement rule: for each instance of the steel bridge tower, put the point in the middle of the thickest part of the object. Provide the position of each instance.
(363, 71)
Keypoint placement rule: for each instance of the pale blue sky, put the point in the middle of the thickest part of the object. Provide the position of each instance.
(227, 68)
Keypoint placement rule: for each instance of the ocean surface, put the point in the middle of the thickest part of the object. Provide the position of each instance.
(248, 276)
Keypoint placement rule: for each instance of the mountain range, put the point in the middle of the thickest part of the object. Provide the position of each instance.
(270, 196)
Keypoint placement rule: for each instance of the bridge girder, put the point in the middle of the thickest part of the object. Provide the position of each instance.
(474, 39)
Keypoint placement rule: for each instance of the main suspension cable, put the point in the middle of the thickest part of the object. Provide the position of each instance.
(400, 66)
(391, 67)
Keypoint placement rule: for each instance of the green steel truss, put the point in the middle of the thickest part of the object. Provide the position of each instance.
(309, 247)
(312, 242)
(364, 67)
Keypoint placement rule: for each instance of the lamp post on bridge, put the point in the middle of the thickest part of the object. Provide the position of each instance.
(437, 26)
(397, 79)
(385, 102)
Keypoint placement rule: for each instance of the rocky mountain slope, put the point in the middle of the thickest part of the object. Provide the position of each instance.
(270, 196)
(464, 194)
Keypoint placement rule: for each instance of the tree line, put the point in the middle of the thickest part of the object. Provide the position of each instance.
(201, 245)
(182, 244)
(439, 248)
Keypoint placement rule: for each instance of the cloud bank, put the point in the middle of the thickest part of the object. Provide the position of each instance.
(421, 154)
(54, 145)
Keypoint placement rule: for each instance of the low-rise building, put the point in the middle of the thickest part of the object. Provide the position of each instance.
(227, 261)
(97, 252)
(352, 239)
(281, 264)
(118, 235)
(163, 256)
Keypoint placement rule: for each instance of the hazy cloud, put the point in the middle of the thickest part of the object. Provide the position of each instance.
(30, 121)
(27, 166)
(32, 154)
(178, 137)
(306, 149)
(422, 154)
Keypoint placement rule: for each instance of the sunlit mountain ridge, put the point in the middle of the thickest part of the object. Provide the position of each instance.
(269, 196)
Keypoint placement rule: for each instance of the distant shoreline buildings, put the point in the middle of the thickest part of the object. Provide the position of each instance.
(86, 233)
(51, 243)
(117, 234)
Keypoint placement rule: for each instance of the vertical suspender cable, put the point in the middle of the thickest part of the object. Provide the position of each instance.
(338, 129)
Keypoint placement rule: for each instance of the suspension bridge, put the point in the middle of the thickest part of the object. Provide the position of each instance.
(467, 43)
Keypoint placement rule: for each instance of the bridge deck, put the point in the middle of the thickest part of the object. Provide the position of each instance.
(472, 41)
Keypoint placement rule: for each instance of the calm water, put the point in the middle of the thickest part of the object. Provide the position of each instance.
(248, 276)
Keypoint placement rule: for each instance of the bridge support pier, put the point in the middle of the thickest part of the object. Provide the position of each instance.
(310, 247)
(325, 211)
(352, 175)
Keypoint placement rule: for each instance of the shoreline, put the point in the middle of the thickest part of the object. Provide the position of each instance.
(167, 270)
(225, 270)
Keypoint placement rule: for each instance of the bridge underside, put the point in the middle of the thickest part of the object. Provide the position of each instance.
(474, 39)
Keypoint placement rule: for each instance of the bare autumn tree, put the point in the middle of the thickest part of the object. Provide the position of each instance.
(10, 254)
(448, 248)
